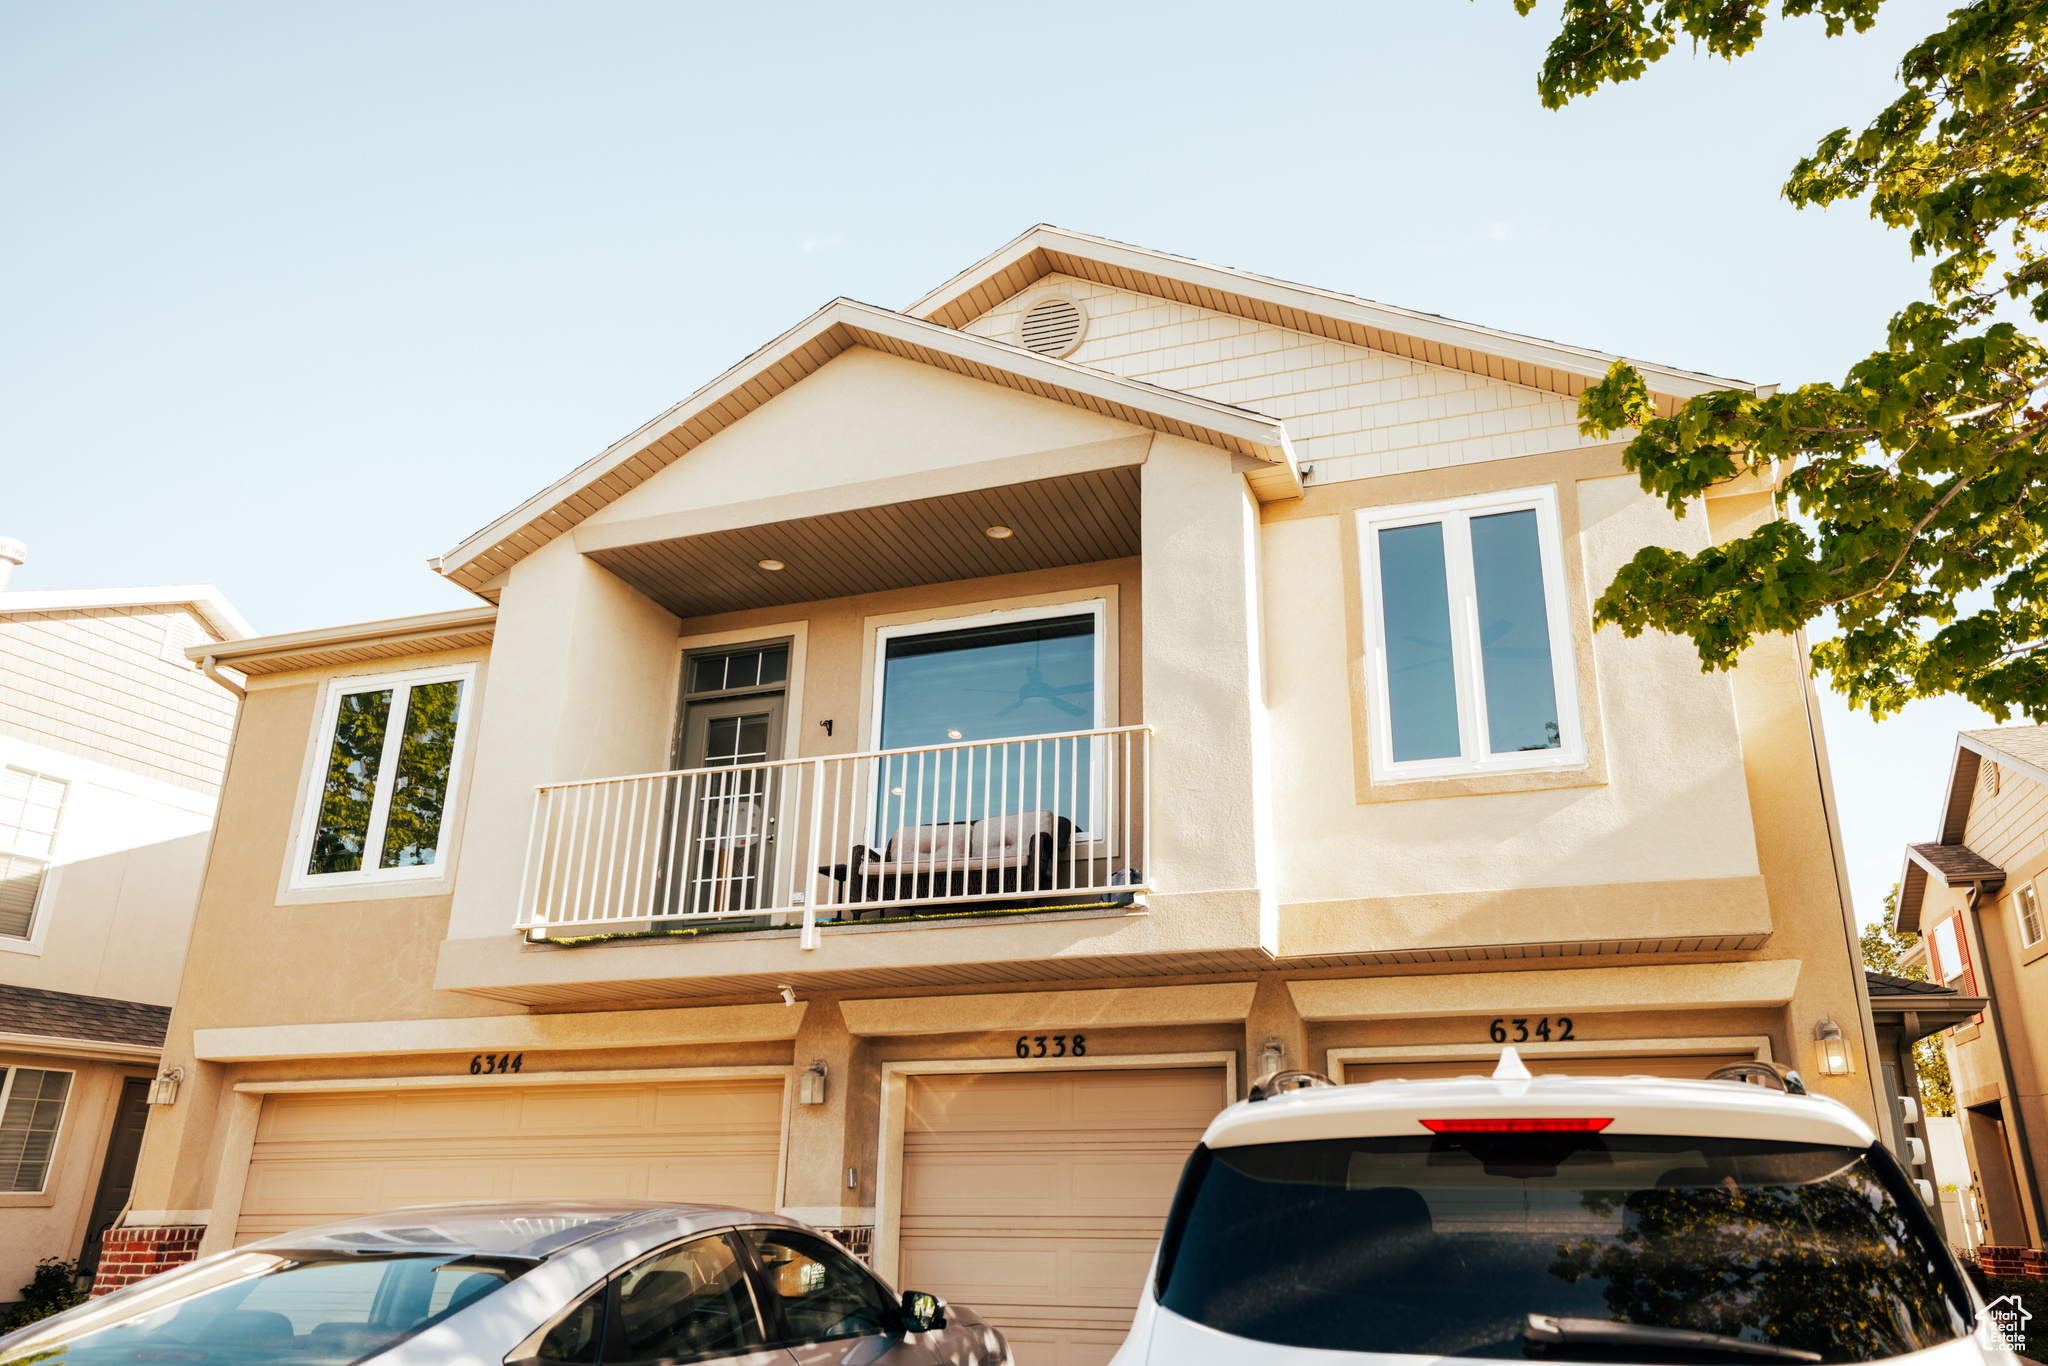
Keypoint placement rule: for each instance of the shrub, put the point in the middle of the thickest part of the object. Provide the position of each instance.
(52, 1289)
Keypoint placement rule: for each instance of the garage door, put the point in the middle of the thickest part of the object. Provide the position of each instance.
(1036, 1198)
(327, 1155)
(1694, 1066)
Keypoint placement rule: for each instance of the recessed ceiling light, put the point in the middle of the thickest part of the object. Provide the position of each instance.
(952, 735)
(1000, 533)
(772, 564)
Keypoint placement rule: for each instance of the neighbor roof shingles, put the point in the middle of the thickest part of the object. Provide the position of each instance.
(1954, 863)
(65, 1015)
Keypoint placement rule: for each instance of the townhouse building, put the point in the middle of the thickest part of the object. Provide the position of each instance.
(112, 744)
(1974, 894)
(920, 778)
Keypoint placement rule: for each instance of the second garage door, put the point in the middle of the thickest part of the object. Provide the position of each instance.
(1036, 1198)
(328, 1155)
(1693, 1066)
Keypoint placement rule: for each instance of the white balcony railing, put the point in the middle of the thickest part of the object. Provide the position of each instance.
(1032, 821)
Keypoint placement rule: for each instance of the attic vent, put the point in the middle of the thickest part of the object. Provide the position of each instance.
(1052, 327)
(179, 633)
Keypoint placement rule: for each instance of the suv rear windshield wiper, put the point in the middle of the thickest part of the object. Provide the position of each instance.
(1545, 1333)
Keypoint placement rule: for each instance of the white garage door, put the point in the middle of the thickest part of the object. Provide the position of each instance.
(327, 1155)
(1037, 1198)
(1693, 1066)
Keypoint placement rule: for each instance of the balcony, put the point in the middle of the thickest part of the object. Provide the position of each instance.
(1027, 823)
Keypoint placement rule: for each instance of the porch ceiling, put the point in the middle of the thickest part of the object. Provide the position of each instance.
(1074, 519)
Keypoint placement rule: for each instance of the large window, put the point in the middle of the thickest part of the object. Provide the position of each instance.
(1007, 675)
(1469, 646)
(30, 806)
(387, 772)
(31, 1113)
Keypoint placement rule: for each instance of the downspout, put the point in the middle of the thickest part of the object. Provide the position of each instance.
(2012, 1086)
(210, 666)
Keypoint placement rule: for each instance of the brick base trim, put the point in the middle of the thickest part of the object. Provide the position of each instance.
(859, 1241)
(127, 1255)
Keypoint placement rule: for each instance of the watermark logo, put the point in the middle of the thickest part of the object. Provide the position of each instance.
(2005, 1324)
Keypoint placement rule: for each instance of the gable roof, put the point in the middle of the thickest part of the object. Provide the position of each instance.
(805, 348)
(1528, 361)
(202, 598)
(2019, 749)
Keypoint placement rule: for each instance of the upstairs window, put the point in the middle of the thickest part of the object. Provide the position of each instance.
(385, 776)
(2030, 916)
(31, 805)
(1468, 638)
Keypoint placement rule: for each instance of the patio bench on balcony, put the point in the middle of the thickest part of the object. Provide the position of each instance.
(1013, 853)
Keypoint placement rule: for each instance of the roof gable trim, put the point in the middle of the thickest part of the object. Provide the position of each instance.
(799, 352)
(1015, 266)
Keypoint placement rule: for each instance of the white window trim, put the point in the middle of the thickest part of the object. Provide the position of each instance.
(2027, 893)
(63, 1120)
(1096, 607)
(1474, 760)
(316, 776)
(46, 886)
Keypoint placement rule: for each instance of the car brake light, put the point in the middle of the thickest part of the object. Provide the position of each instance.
(1516, 1126)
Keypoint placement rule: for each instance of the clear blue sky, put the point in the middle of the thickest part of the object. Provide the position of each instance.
(293, 297)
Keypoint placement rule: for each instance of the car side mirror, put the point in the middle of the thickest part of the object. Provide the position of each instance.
(922, 1312)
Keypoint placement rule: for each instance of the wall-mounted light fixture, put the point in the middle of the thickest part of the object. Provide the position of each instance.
(788, 995)
(810, 1087)
(1832, 1056)
(164, 1090)
(1272, 1058)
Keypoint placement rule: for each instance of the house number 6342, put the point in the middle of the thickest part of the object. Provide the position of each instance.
(1506, 1030)
(1052, 1045)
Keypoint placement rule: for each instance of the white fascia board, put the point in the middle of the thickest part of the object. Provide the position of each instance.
(90, 1050)
(1578, 360)
(362, 633)
(1256, 428)
(202, 598)
(2003, 758)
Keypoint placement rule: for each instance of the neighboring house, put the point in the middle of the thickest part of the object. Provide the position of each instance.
(920, 778)
(1906, 1010)
(112, 744)
(1975, 896)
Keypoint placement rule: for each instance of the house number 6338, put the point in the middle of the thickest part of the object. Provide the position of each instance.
(1052, 1045)
(1506, 1030)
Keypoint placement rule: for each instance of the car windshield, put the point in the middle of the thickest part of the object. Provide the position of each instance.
(1446, 1245)
(323, 1311)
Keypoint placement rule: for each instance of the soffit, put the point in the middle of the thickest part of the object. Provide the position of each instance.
(1074, 519)
(800, 352)
(339, 646)
(1528, 361)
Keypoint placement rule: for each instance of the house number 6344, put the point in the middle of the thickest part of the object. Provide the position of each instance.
(1506, 1030)
(1052, 1045)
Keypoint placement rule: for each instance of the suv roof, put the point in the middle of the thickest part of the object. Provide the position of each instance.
(1635, 1105)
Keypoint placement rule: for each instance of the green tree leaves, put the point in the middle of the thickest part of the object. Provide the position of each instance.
(1921, 472)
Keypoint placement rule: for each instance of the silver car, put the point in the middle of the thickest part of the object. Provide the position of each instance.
(522, 1284)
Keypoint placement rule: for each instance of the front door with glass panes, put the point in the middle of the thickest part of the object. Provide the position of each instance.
(725, 817)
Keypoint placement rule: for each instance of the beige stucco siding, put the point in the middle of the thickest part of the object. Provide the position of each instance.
(52, 1222)
(94, 682)
(864, 416)
(1672, 805)
(1350, 412)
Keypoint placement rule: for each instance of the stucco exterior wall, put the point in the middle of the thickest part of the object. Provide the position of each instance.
(52, 1222)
